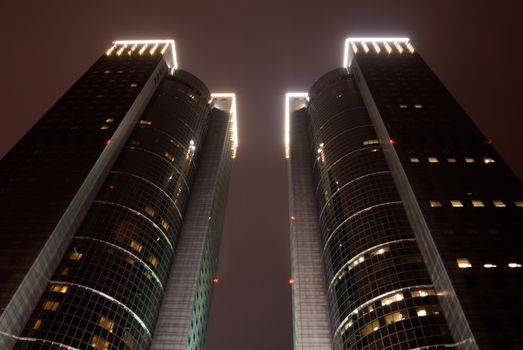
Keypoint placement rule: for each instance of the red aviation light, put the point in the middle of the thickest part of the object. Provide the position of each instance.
(215, 280)
(393, 141)
(488, 142)
(107, 142)
(293, 218)
(291, 281)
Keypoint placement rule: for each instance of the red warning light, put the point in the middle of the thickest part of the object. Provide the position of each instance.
(293, 218)
(489, 142)
(215, 280)
(107, 142)
(393, 141)
(291, 281)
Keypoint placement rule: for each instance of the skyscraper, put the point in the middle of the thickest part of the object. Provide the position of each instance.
(405, 222)
(112, 208)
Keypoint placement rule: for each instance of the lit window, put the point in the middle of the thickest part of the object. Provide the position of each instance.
(369, 328)
(380, 251)
(129, 260)
(403, 106)
(150, 211)
(489, 266)
(519, 204)
(51, 305)
(414, 159)
(395, 317)
(99, 343)
(421, 312)
(456, 203)
(37, 324)
(477, 203)
(392, 299)
(418, 106)
(107, 71)
(145, 122)
(128, 339)
(148, 275)
(109, 120)
(136, 246)
(463, 263)
(488, 160)
(514, 265)
(153, 261)
(433, 160)
(165, 224)
(451, 160)
(75, 255)
(104, 127)
(106, 323)
(499, 204)
(60, 288)
(169, 156)
(469, 160)
(133, 85)
(422, 293)
(435, 204)
(370, 142)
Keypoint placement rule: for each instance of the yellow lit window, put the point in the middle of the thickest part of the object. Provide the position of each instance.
(65, 271)
(456, 203)
(418, 106)
(434, 203)
(370, 142)
(380, 251)
(469, 160)
(148, 275)
(488, 160)
(421, 312)
(100, 343)
(477, 203)
(75, 255)
(130, 260)
(37, 324)
(104, 127)
(109, 120)
(519, 204)
(150, 211)
(136, 246)
(499, 204)
(403, 106)
(165, 224)
(51, 305)
(414, 159)
(489, 266)
(106, 323)
(145, 122)
(169, 156)
(153, 260)
(59, 288)
(513, 265)
(133, 85)
(451, 160)
(422, 293)
(369, 328)
(128, 339)
(395, 317)
(107, 71)
(433, 160)
(392, 299)
(463, 263)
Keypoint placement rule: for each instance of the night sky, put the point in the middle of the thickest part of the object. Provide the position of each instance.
(260, 50)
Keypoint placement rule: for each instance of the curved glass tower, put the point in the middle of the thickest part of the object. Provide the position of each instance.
(115, 276)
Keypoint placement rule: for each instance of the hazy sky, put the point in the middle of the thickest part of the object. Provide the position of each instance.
(261, 49)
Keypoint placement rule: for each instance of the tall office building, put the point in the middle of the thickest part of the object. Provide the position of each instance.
(112, 207)
(405, 223)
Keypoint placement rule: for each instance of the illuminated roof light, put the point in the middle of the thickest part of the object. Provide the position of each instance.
(233, 119)
(110, 51)
(388, 48)
(489, 266)
(354, 48)
(399, 47)
(153, 50)
(365, 47)
(514, 265)
(142, 50)
(164, 48)
(171, 58)
(288, 97)
(410, 47)
(376, 47)
(353, 41)
(119, 52)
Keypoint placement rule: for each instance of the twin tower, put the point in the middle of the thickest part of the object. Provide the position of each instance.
(405, 224)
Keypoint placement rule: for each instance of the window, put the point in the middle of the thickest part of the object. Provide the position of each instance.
(403, 106)
(489, 266)
(421, 312)
(136, 246)
(75, 255)
(153, 260)
(148, 275)
(169, 156)
(488, 160)
(469, 160)
(59, 288)
(370, 142)
(128, 339)
(477, 203)
(51, 305)
(37, 324)
(99, 343)
(499, 204)
(519, 204)
(463, 263)
(418, 106)
(451, 160)
(165, 224)
(433, 160)
(65, 271)
(130, 260)
(369, 328)
(133, 85)
(109, 120)
(380, 251)
(150, 211)
(395, 317)
(422, 293)
(414, 159)
(106, 323)
(456, 203)
(434, 203)
(145, 122)
(513, 265)
(104, 127)
(392, 299)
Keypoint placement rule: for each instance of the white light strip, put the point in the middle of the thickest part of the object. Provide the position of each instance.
(172, 62)
(347, 54)
(233, 116)
(288, 97)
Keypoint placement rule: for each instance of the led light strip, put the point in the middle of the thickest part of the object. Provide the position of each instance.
(347, 57)
(156, 43)
(288, 97)
(233, 117)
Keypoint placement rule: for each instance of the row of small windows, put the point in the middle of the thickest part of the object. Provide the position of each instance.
(456, 203)
(405, 106)
(464, 263)
(486, 160)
